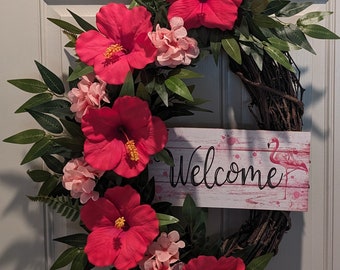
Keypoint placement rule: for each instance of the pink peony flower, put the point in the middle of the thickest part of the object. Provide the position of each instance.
(174, 47)
(211, 262)
(208, 13)
(123, 138)
(121, 45)
(79, 178)
(89, 94)
(121, 228)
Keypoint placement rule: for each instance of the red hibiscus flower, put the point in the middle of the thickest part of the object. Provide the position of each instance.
(121, 228)
(121, 45)
(210, 262)
(208, 13)
(122, 138)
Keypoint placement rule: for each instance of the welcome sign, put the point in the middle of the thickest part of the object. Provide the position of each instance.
(250, 169)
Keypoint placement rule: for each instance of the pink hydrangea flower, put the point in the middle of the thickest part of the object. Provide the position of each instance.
(89, 94)
(79, 179)
(164, 252)
(174, 47)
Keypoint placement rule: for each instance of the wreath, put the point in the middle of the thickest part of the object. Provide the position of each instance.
(128, 78)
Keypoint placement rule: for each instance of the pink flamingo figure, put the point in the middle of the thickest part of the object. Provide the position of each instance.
(286, 159)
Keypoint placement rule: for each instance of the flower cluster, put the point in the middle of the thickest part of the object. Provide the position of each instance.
(99, 137)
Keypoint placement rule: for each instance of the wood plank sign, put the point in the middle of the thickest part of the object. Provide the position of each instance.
(250, 169)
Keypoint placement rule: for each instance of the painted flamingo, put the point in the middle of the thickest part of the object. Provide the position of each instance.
(286, 159)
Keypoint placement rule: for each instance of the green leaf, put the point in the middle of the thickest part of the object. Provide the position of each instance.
(82, 23)
(265, 21)
(29, 85)
(74, 144)
(189, 210)
(66, 26)
(74, 240)
(65, 258)
(39, 175)
(73, 128)
(79, 262)
(166, 219)
(34, 101)
(280, 44)
(128, 88)
(297, 37)
(260, 263)
(48, 186)
(183, 73)
(53, 106)
(278, 56)
(53, 163)
(178, 87)
(80, 70)
(293, 8)
(313, 17)
(26, 137)
(318, 31)
(231, 47)
(162, 93)
(53, 82)
(257, 6)
(274, 7)
(37, 150)
(165, 156)
(47, 122)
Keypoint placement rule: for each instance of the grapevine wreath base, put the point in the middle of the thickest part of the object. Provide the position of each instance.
(257, 44)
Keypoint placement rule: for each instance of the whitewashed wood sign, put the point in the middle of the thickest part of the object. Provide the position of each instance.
(249, 169)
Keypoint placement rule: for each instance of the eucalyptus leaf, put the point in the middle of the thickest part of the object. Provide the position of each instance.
(178, 87)
(53, 82)
(318, 31)
(38, 149)
(279, 57)
(128, 88)
(231, 47)
(26, 137)
(312, 17)
(82, 23)
(39, 175)
(29, 85)
(80, 70)
(293, 8)
(166, 219)
(34, 101)
(47, 122)
(66, 26)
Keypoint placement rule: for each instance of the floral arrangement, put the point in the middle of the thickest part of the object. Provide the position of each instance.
(99, 134)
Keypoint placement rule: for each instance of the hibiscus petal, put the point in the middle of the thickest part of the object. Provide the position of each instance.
(89, 44)
(99, 214)
(100, 249)
(129, 200)
(128, 168)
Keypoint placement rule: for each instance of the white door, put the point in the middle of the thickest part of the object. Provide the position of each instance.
(25, 228)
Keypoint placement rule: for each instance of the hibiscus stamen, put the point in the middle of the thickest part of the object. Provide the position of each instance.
(132, 150)
(111, 50)
(120, 222)
(131, 147)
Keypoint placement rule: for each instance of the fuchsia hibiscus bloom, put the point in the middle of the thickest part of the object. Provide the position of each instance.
(121, 45)
(121, 228)
(208, 13)
(210, 262)
(123, 138)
